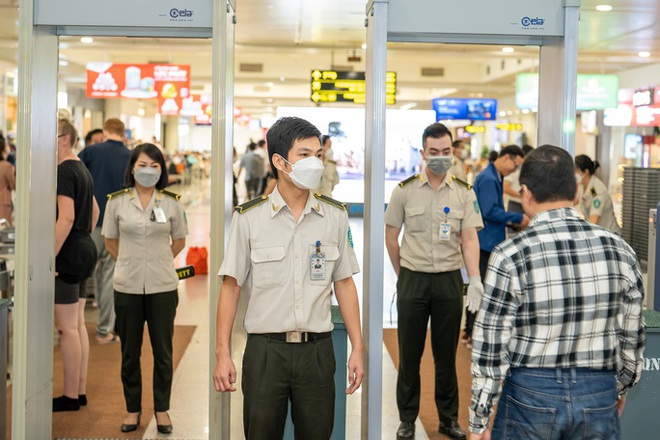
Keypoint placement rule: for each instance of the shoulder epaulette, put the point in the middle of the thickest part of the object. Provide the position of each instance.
(175, 196)
(408, 180)
(593, 192)
(251, 204)
(461, 182)
(334, 162)
(119, 193)
(330, 201)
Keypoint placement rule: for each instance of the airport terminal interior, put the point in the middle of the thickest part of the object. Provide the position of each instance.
(308, 58)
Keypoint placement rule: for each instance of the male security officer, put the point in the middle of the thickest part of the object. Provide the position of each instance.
(441, 217)
(286, 249)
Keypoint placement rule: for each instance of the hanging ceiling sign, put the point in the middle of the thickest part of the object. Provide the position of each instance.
(155, 13)
(509, 126)
(338, 86)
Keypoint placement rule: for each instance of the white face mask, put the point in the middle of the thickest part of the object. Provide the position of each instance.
(464, 153)
(439, 165)
(578, 178)
(306, 173)
(147, 177)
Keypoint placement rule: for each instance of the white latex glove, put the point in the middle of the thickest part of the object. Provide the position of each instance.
(475, 292)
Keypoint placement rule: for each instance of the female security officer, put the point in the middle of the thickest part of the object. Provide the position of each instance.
(596, 203)
(144, 229)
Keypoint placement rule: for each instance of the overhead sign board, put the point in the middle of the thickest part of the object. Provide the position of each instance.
(509, 126)
(594, 92)
(461, 108)
(170, 83)
(341, 86)
(154, 13)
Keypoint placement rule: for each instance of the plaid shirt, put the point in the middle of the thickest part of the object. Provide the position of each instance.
(564, 293)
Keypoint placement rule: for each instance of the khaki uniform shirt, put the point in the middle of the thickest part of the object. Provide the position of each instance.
(596, 200)
(269, 255)
(145, 263)
(421, 209)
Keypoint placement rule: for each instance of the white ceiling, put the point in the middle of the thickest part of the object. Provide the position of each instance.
(292, 37)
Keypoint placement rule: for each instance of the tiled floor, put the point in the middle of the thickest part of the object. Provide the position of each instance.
(189, 407)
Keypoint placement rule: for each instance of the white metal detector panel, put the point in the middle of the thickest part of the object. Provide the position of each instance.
(477, 17)
(139, 13)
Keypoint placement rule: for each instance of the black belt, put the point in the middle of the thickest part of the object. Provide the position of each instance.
(296, 337)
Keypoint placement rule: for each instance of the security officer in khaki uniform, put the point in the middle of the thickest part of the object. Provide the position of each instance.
(285, 251)
(144, 229)
(441, 217)
(596, 202)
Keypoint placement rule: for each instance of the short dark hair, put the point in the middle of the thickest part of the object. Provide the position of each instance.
(324, 139)
(436, 131)
(154, 153)
(284, 133)
(252, 146)
(90, 133)
(511, 150)
(493, 155)
(261, 143)
(527, 149)
(584, 163)
(549, 173)
(457, 143)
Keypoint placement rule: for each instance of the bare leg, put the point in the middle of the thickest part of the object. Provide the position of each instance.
(66, 322)
(84, 346)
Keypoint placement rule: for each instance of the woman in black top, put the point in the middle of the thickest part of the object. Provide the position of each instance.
(76, 256)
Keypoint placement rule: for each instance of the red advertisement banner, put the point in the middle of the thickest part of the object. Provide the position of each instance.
(170, 83)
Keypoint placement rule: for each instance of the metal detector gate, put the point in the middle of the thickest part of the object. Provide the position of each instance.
(41, 22)
(550, 24)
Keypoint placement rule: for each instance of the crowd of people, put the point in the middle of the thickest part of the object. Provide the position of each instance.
(532, 287)
(543, 316)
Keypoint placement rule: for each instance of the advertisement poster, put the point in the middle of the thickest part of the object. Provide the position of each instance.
(170, 83)
(594, 92)
(198, 107)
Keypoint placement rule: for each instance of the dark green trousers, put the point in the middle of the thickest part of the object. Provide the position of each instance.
(275, 373)
(421, 296)
(158, 311)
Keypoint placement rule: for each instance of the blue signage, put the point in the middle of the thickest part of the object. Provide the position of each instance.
(461, 108)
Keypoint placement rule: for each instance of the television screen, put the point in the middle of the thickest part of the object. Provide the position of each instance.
(461, 108)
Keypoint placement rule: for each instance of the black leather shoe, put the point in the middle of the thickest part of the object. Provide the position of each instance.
(126, 427)
(452, 429)
(164, 429)
(406, 430)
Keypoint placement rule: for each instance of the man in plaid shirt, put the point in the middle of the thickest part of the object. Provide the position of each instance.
(561, 320)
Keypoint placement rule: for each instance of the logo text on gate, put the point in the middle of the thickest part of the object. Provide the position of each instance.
(176, 13)
(526, 21)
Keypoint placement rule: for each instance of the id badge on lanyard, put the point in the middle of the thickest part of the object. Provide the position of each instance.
(445, 228)
(317, 264)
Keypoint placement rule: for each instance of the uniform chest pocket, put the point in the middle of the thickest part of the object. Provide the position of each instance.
(414, 219)
(268, 266)
(455, 217)
(331, 255)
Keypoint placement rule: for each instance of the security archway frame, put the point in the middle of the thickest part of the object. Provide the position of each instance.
(550, 24)
(39, 33)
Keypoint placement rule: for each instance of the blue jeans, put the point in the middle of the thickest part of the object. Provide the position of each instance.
(551, 404)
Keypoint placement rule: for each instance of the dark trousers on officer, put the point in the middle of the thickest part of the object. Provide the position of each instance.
(276, 372)
(440, 297)
(158, 311)
(484, 256)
